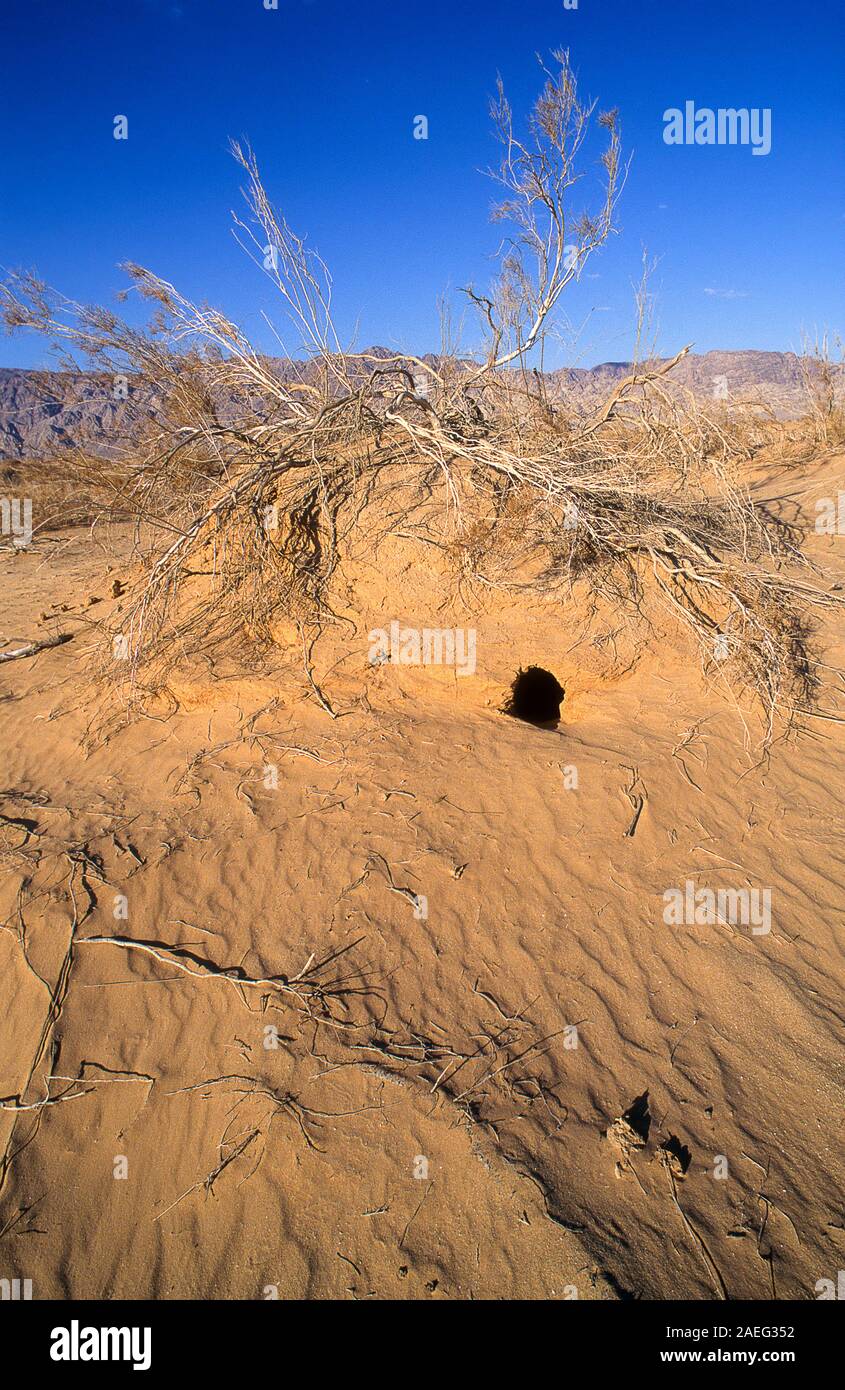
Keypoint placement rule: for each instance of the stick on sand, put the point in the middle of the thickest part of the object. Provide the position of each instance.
(32, 647)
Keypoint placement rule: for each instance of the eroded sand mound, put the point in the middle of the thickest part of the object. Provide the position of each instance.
(457, 1049)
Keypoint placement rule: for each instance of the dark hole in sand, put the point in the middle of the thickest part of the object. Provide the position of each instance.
(638, 1116)
(676, 1149)
(535, 696)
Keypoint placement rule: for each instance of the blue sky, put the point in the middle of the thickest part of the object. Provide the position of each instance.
(750, 248)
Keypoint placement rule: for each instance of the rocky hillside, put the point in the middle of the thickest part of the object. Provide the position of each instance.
(41, 412)
(770, 379)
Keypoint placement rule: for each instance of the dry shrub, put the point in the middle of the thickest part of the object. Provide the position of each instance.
(68, 490)
(824, 386)
(250, 473)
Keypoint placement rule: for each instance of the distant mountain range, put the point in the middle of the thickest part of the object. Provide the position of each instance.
(42, 411)
(768, 378)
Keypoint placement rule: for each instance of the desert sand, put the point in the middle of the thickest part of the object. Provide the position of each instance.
(399, 1015)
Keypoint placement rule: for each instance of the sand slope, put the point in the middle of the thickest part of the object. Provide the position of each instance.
(295, 1167)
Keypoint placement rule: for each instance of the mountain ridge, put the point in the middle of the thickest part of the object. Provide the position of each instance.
(43, 410)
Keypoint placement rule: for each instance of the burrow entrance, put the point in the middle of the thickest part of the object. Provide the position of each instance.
(535, 696)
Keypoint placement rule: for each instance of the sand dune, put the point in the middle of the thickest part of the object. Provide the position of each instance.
(502, 1073)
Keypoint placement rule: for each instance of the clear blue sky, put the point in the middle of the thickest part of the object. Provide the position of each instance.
(327, 91)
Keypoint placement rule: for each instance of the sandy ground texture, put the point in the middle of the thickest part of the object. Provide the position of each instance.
(385, 1005)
